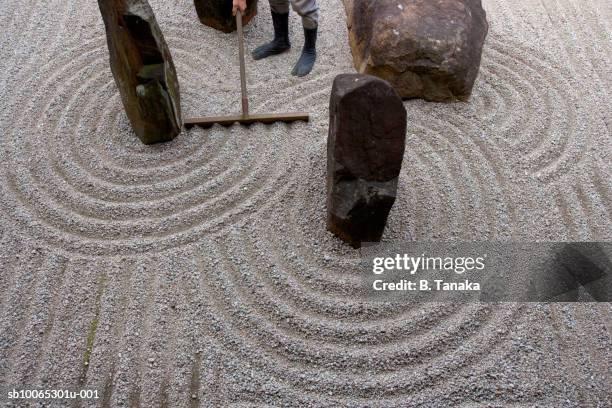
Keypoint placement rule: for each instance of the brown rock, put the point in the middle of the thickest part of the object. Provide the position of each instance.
(425, 49)
(365, 148)
(218, 14)
(143, 69)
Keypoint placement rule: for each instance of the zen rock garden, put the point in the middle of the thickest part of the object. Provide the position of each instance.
(401, 49)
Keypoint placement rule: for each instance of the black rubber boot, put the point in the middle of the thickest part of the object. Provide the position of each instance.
(280, 43)
(309, 53)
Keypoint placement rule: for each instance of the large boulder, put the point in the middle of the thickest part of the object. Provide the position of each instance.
(143, 69)
(365, 148)
(218, 14)
(425, 49)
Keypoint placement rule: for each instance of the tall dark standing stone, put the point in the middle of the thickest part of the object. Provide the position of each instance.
(424, 48)
(218, 13)
(365, 148)
(143, 69)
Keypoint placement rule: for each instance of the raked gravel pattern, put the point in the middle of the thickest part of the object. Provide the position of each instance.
(199, 273)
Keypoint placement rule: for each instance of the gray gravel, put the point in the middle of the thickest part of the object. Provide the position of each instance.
(200, 273)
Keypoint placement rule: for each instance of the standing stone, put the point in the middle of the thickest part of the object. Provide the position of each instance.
(218, 14)
(365, 148)
(425, 49)
(143, 69)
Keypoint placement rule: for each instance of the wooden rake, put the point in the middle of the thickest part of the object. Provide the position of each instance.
(246, 118)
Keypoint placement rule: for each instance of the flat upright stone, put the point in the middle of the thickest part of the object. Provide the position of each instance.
(425, 49)
(365, 148)
(143, 69)
(218, 14)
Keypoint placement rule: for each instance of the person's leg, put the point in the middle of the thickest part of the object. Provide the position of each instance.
(279, 6)
(309, 11)
(280, 20)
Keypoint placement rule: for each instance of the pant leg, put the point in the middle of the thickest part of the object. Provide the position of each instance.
(308, 10)
(279, 6)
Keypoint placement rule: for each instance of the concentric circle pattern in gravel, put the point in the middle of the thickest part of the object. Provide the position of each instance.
(200, 273)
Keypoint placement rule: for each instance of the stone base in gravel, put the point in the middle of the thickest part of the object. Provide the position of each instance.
(218, 13)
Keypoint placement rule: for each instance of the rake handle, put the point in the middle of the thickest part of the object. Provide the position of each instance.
(243, 85)
(245, 118)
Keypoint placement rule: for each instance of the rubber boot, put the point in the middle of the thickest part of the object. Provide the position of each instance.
(309, 53)
(280, 43)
